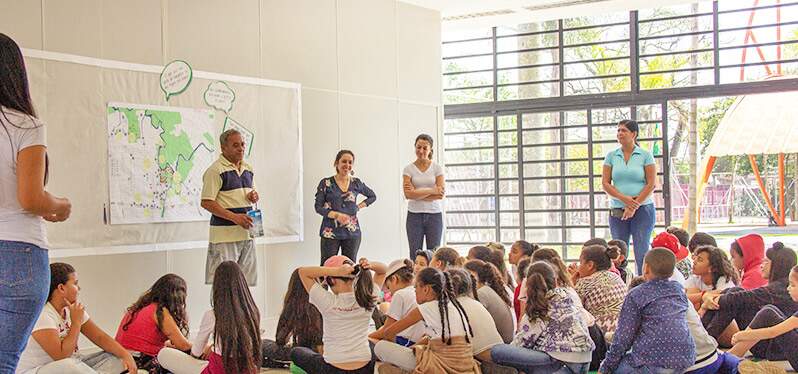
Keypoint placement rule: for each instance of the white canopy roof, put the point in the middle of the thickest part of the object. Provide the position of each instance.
(758, 124)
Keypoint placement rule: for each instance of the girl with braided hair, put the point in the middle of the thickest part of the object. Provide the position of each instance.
(490, 288)
(486, 335)
(447, 348)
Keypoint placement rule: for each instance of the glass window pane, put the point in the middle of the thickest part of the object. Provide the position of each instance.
(595, 86)
(470, 235)
(595, 51)
(506, 187)
(472, 47)
(468, 96)
(509, 219)
(508, 122)
(542, 202)
(540, 73)
(508, 154)
(508, 138)
(509, 236)
(468, 124)
(469, 172)
(610, 115)
(533, 120)
(543, 219)
(468, 140)
(471, 155)
(539, 186)
(514, 43)
(511, 60)
(528, 91)
(553, 235)
(470, 219)
(464, 80)
(470, 188)
(470, 203)
(508, 171)
(527, 28)
(467, 64)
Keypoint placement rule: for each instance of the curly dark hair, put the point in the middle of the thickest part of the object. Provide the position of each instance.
(720, 264)
(169, 292)
(299, 319)
(540, 279)
(448, 256)
(493, 256)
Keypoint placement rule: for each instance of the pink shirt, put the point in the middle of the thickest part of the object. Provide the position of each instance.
(142, 335)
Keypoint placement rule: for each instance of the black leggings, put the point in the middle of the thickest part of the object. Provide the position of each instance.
(312, 362)
(782, 347)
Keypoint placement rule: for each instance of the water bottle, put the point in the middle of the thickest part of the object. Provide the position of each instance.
(256, 230)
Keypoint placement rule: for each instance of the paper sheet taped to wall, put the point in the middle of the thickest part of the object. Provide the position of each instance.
(157, 156)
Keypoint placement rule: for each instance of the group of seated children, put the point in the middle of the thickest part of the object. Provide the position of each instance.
(442, 313)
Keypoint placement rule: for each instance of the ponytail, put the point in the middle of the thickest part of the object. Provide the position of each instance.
(601, 256)
(364, 288)
(489, 275)
(540, 280)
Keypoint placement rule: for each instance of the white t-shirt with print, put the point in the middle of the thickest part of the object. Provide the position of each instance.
(424, 179)
(402, 303)
(17, 132)
(434, 325)
(486, 335)
(695, 282)
(345, 327)
(34, 356)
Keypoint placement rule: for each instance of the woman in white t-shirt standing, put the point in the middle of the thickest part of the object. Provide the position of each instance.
(423, 185)
(24, 205)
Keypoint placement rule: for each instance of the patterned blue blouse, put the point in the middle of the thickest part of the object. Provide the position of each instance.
(329, 197)
(653, 324)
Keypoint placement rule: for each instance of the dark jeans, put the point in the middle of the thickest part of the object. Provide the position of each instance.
(275, 355)
(421, 225)
(639, 228)
(716, 321)
(312, 362)
(534, 362)
(348, 247)
(780, 348)
(24, 282)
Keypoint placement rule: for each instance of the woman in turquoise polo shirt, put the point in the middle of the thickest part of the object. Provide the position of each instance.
(628, 176)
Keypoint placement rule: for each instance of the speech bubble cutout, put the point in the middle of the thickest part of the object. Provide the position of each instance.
(220, 96)
(175, 78)
(248, 136)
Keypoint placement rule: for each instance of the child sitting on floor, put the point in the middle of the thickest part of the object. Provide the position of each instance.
(653, 323)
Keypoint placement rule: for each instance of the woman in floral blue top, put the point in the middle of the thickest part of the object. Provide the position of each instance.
(336, 201)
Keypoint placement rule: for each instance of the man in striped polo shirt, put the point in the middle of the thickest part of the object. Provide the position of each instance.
(228, 190)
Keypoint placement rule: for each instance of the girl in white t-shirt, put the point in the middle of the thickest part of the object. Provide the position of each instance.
(399, 281)
(423, 185)
(53, 346)
(345, 311)
(448, 347)
(228, 341)
(712, 272)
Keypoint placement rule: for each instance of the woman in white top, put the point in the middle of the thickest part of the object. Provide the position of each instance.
(24, 206)
(345, 312)
(228, 341)
(423, 185)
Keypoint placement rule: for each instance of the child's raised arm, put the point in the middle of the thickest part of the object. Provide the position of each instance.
(389, 333)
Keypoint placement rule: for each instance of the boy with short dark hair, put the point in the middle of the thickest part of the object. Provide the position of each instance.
(653, 323)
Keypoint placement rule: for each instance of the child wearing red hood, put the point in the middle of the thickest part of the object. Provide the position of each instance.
(747, 253)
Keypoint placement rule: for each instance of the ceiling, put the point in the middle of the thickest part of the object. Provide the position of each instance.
(457, 14)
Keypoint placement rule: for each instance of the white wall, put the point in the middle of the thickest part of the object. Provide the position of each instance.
(371, 77)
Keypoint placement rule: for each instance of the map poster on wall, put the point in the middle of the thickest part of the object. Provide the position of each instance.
(157, 156)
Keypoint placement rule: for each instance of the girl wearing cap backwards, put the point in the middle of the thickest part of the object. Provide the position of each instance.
(399, 281)
(345, 311)
(747, 253)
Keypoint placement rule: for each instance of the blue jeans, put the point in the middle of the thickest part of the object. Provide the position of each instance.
(24, 284)
(421, 225)
(639, 227)
(625, 367)
(534, 362)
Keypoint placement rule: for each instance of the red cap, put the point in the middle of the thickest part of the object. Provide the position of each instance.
(671, 242)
